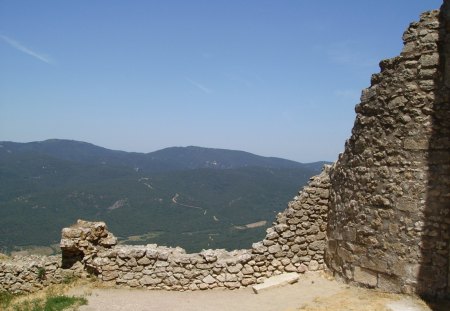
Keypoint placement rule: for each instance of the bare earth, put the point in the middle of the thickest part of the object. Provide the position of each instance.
(313, 292)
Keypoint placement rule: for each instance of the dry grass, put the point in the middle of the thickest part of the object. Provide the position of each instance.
(356, 299)
(54, 294)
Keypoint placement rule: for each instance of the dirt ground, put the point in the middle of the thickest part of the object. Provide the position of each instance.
(313, 292)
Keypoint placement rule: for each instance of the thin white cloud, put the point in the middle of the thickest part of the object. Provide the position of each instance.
(21, 48)
(200, 86)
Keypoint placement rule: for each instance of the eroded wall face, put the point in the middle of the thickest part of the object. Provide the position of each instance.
(389, 217)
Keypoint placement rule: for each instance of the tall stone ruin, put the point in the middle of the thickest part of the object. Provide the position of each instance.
(389, 213)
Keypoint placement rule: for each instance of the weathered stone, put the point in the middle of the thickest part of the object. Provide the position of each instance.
(144, 261)
(209, 279)
(274, 249)
(109, 275)
(276, 281)
(259, 248)
(147, 280)
(313, 265)
(429, 60)
(248, 281)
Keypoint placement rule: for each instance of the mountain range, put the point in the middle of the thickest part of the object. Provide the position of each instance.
(180, 196)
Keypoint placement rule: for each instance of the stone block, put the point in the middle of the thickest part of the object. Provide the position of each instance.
(109, 275)
(365, 276)
(147, 280)
(429, 60)
(389, 283)
(209, 279)
(274, 248)
(313, 265)
(276, 281)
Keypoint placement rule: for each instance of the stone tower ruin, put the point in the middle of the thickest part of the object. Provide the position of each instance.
(389, 213)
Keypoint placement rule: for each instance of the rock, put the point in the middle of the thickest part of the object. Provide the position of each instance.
(259, 248)
(290, 268)
(109, 275)
(365, 276)
(209, 255)
(234, 269)
(276, 281)
(302, 268)
(313, 265)
(274, 249)
(147, 280)
(145, 261)
(247, 270)
(209, 279)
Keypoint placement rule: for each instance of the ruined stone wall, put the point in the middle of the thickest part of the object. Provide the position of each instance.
(295, 243)
(32, 273)
(389, 202)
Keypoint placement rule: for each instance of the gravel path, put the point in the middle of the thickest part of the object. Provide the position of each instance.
(312, 292)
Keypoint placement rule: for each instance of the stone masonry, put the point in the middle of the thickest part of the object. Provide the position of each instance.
(390, 190)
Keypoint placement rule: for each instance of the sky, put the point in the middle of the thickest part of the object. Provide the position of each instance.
(272, 77)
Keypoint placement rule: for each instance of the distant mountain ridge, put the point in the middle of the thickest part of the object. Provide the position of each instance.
(181, 196)
(172, 158)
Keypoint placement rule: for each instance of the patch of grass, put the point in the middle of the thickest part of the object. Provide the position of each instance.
(47, 303)
(50, 303)
(69, 279)
(57, 303)
(5, 299)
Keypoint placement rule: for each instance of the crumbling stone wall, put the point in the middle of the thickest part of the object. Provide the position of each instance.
(297, 239)
(295, 243)
(389, 203)
(32, 273)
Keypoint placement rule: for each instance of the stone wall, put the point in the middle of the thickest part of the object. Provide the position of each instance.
(295, 243)
(389, 202)
(297, 240)
(32, 273)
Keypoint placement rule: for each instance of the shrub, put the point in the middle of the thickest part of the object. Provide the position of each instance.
(41, 273)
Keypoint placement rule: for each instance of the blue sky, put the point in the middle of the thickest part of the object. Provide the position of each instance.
(276, 78)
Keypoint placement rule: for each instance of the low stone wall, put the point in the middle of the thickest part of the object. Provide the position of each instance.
(172, 269)
(297, 239)
(295, 243)
(29, 274)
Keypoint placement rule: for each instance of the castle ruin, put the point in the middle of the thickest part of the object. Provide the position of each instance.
(379, 217)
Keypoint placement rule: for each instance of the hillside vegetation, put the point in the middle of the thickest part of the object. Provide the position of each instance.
(191, 197)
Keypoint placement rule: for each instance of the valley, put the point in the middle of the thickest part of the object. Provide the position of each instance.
(171, 197)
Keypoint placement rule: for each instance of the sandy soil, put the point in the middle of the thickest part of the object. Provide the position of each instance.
(313, 292)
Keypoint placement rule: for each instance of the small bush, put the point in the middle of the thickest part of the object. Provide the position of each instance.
(41, 273)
